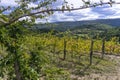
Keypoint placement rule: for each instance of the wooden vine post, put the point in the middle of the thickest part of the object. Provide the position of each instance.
(91, 51)
(103, 47)
(64, 50)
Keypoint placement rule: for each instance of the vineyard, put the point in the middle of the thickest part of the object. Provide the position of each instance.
(69, 52)
(77, 50)
(50, 56)
(78, 46)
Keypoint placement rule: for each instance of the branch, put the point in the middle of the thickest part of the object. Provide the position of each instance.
(54, 10)
(3, 10)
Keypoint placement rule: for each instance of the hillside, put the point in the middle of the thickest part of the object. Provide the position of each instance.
(111, 22)
(82, 28)
(100, 24)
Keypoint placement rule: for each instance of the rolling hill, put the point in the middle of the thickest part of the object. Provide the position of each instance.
(99, 24)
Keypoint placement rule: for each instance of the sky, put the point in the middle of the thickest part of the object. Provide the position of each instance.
(100, 12)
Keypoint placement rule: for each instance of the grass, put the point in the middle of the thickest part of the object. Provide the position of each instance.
(79, 65)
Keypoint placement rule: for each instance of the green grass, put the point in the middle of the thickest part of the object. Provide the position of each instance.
(79, 65)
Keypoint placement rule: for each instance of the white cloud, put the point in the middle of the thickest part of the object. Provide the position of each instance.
(8, 3)
(115, 8)
(84, 14)
(76, 3)
(32, 5)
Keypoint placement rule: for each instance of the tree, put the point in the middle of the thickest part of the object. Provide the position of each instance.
(12, 31)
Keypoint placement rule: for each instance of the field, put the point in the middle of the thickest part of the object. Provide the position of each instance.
(56, 56)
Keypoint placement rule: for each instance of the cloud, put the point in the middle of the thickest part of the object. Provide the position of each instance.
(85, 14)
(115, 9)
(100, 12)
(108, 12)
(32, 5)
(8, 3)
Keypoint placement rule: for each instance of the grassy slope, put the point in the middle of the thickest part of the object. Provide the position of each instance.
(79, 65)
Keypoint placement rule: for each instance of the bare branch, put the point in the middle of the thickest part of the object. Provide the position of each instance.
(4, 9)
(54, 10)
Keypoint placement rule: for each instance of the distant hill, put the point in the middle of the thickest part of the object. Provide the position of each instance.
(111, 22)
(100, 24)
(82, 28)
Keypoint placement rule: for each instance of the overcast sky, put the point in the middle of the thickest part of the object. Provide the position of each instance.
(99, 12)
